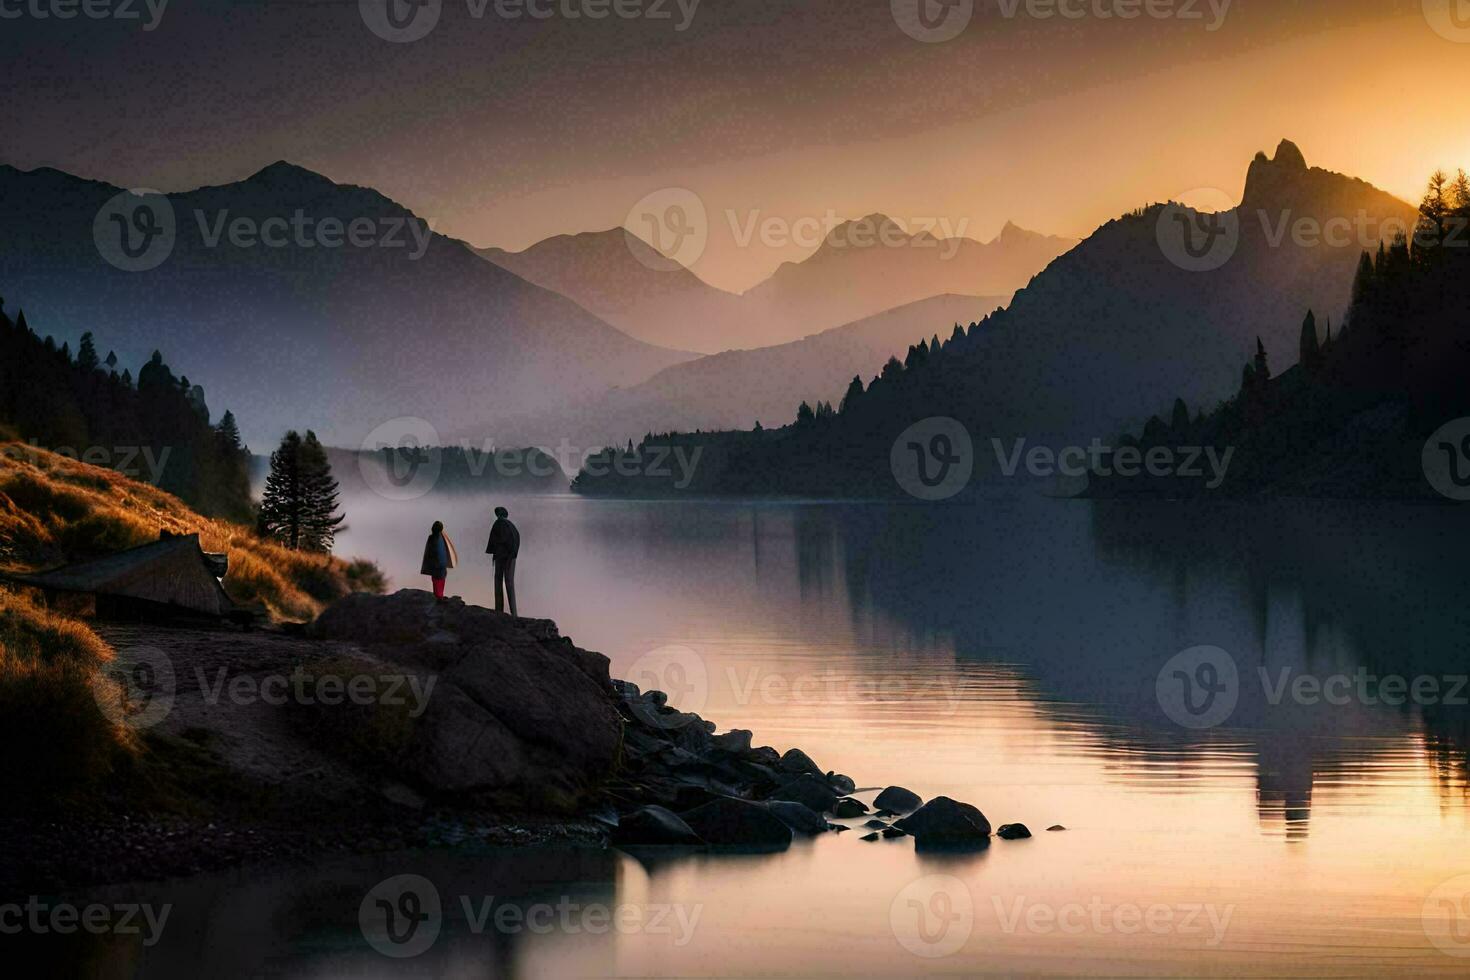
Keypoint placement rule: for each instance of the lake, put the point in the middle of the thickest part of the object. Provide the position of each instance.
(1250, 718)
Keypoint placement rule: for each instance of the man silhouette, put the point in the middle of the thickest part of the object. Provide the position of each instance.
(504, 546)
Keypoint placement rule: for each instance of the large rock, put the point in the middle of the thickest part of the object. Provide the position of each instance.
(898, 799)
(808, 790)
(802, 819)
(729, 822)
(842, 784)
(797, 761)
(518, 716)
(654, 826)
(736, 742)
(945, 821)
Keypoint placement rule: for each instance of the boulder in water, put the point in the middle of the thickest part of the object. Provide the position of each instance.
(809, 790)
(840, 783)
(1013, 831)
(944, 821)
(802, 819)
(728, 822)
(899, 800)
(654, 826)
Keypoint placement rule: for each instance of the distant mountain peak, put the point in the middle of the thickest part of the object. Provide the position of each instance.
(866, 227)
(1011, 232)
(1288, 154)
(281, 174)
(1277, 181)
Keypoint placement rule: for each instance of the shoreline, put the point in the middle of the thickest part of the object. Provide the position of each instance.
(521, 738)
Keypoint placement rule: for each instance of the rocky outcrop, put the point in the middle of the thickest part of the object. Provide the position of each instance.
(518, 716)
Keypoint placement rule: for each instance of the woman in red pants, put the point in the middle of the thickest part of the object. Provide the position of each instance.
(439, 558)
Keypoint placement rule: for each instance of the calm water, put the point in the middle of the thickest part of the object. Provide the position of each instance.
(1009, 654)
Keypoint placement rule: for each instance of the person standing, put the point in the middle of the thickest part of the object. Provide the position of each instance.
(439, 558)
(504, 547)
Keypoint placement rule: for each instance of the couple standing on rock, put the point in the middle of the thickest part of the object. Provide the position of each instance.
(505, 545)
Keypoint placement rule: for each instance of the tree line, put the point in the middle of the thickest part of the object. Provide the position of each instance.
(82, 405)
(157, 428)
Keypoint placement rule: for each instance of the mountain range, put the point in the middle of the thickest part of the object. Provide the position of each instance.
(1108, 334)
(864, 267)
(265, 299)
(342, 339)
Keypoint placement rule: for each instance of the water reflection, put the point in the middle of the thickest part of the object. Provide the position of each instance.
(1351, 593)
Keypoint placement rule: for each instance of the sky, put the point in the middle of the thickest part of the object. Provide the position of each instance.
(503, 128)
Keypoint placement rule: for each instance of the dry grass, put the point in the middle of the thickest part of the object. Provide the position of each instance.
(59, 740)
(55, 509)
(60, 716)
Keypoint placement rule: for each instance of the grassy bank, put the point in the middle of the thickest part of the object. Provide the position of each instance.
(66, 746)
(54, 509)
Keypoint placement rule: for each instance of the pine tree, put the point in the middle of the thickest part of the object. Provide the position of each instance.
(853, 396)
(229, 433)
(1433, 211)
(282, 505)
(1179, 420)
(299, 506)
(323, 496)
(1310, 350)
(805, 415)
(87, 354)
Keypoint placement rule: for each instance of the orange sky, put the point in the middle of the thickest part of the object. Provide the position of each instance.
(505, 132)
